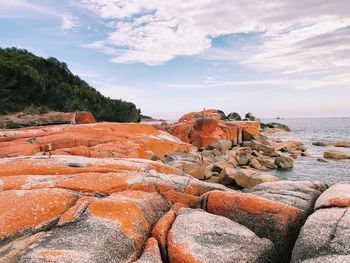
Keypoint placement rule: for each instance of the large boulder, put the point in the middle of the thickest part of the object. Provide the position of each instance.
(273, 220)
(246, 178)
(91, 140)
(326, 233)
(197, 236)
(234, 116)
(205, 131)
(337, 195)
(324, 237)
(300, 194)
(212, 113)
(250, 117)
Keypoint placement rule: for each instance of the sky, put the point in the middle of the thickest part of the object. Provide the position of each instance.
(271, 57)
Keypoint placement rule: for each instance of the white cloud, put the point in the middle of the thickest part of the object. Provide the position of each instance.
(156, 31)
(69, 21)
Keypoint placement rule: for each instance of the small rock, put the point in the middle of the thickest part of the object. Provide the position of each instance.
(336, 155)
(284, 162)
(322, 160)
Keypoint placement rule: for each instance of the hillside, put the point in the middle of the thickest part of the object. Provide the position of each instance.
(29, 81)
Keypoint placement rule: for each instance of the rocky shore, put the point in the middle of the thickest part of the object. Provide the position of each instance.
(198, 190)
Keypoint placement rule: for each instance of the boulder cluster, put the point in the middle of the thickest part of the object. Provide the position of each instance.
(108, 192)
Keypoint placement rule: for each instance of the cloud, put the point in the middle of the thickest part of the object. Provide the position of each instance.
(24, 9)
(156, 31)
(69, 21)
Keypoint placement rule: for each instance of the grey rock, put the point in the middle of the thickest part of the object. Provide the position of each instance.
(234, 116)
(325, 236)
(284, 162)
(212, 238)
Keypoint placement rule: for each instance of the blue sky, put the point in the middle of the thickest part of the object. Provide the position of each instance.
(287, 58)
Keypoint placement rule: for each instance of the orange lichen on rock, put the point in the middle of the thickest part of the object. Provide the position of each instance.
(161, 229)
(72, 213)
(269, 219)
(187, 199)
(37, 209)
(82, 117)
(204, 131)
(211, 113)
(180, 253)
(151, 252)
(91, 140)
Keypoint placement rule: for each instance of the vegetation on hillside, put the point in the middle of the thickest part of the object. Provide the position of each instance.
(29, 81)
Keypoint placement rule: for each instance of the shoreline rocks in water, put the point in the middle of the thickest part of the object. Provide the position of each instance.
(88, 205)
(330, 143)
(336, 155)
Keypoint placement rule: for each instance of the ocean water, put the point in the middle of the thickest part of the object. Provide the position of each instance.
(311, 130)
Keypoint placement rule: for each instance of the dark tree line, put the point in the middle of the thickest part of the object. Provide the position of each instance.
(27, 80)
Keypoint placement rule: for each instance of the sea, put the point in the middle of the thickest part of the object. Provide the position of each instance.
(310, 130)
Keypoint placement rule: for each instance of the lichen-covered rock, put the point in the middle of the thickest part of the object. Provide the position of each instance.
(324, 237)
(24, 211)
(112, 229)
(275, 221)
(197, 236)
(212, 113)
(98, 140)
(337, 195)
(300, 194)
(151, 253)
(205, 131)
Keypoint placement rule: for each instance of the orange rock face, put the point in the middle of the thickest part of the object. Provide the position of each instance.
(91, 140)
(202, 132)
(212, 113)
(278, 222)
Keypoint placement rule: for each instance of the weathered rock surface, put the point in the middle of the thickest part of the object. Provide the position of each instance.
(204, 131)
(47, 119)
(300, 194)
(91, 140)
(234, 116)
(92, 210)
(336, 155)
(197, 236)
(326, 233)
(284, 162)
(337, 195)
(211, 113)
(246, 178)
(324, 237)
(273, 220)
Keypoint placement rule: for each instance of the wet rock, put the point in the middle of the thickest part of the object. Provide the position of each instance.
(337, 195)
(275, 125)
(322, 160)
(284, 162)
(275, 221)
(197, 236)
(335, 155)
